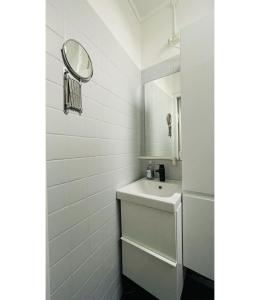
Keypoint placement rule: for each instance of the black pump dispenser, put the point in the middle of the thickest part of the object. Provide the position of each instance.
(161, 172)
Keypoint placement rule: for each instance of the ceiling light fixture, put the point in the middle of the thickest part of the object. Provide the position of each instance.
(174, 40)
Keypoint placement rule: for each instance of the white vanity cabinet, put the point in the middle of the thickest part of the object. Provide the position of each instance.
(152, 244)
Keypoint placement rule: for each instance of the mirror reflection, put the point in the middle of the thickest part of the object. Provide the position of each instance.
(163, 117)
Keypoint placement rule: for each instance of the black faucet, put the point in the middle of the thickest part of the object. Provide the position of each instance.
(161, 172)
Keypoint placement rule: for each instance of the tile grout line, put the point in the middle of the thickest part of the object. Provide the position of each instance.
(96, 174)
(90, 137)
(92, 254)
(107, 188)
(85, 95)
(92, 156)
(94, 80)
(84, 178)
(89, 118)
(82, 242)
(81, 221)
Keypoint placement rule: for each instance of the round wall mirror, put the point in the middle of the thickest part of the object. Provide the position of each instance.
(77, 60)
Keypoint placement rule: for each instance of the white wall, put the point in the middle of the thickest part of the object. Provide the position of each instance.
(88, 156)
(157, 29)
(122, 22)
(190, 11)
(146, 42)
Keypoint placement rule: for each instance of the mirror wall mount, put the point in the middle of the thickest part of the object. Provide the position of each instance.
(72, 94)
(78, 69)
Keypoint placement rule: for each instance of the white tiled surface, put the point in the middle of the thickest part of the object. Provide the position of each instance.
(172, 172)
(88, 156)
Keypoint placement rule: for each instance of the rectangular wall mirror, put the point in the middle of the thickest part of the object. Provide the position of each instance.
(163, 117)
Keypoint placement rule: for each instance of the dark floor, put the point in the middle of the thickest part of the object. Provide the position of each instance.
(193, 290)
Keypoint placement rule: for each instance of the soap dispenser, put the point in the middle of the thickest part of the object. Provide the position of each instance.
(161, 172)
(150, 171)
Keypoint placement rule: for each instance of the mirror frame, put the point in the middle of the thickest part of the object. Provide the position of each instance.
(69, 67)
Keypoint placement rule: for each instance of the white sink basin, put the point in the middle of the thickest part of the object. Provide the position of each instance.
(153, 193)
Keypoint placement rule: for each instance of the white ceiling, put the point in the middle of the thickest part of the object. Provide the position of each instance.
(145, 8)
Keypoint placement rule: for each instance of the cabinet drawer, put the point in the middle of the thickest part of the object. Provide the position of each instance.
(152, 272)
(154, 229)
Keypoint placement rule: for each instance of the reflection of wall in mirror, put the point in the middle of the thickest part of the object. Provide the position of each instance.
(157, 105)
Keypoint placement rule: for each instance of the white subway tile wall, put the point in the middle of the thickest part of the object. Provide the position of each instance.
(88, 156)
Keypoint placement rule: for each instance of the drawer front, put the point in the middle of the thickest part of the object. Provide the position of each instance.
(154, 229)
(150, 272)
